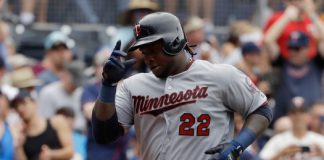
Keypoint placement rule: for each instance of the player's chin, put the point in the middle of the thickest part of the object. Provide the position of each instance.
(159, 73)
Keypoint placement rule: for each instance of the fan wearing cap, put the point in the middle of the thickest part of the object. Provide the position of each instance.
(57, 54)
(44, 138)
(250, 65)
(299, 75)
(196, 36)
(298, 143)
(251, 54)
(298, 47)
(299, 15)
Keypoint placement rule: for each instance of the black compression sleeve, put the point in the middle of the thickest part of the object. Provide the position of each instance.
(106, 131)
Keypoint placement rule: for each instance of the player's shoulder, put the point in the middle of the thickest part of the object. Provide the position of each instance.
(212, 69)
(140, 77)
(212, 66)
(219, 72)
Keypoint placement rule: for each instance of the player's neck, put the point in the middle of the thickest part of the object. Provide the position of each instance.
(182, 66)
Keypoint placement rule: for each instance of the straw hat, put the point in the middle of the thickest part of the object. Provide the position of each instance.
(142, 4)
(24, 77)
(194, 23)
(137, 5)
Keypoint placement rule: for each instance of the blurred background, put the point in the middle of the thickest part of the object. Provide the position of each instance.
(52, 52)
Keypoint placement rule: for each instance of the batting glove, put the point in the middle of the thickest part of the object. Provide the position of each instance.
(228, 151)
(114, 69)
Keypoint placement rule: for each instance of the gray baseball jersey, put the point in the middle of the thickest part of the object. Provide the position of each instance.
(185, 114)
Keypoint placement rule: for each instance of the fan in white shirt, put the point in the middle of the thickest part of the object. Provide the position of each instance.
(297, 144)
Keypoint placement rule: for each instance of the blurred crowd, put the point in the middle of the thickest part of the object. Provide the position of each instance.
(46, 105)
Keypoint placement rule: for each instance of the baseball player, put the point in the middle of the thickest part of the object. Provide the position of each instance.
(183, 109)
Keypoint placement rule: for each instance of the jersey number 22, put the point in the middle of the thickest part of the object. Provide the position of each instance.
(188, 120)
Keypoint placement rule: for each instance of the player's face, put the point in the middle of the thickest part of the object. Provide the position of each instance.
(159, 63)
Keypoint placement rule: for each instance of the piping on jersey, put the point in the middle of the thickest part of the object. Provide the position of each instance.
(158, 105)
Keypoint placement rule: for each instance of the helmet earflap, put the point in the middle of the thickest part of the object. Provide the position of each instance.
(174, 47)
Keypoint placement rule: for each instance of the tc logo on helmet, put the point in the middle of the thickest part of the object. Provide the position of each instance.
(137, 30)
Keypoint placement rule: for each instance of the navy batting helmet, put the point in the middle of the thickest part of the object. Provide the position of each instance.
(160, 26)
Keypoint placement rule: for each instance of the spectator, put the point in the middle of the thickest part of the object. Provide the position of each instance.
(316, 120)
(117, 150)
(57, 55)
(299, 15)
(230, 49)
(250, 65)
(7, 138)
(45, 138)
(79, 140)
(299, 143)
(194, 29)
(299, 75)
(251, 55)
(65, 92)
(5, 88)
(136, 10)
(283, 124)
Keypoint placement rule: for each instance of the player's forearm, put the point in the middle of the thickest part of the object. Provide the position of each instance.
(103, 111)
(106, 131)
(257, 123)
(106, 128)
(105, 105)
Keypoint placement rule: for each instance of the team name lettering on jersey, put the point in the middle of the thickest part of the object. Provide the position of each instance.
(158, 105)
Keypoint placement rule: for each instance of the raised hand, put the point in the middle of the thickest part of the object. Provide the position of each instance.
(114, 69)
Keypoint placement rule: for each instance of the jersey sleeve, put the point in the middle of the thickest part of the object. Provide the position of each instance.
(240, 94)
(124, 106)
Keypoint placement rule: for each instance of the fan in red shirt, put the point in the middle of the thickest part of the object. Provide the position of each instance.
(299, 15)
